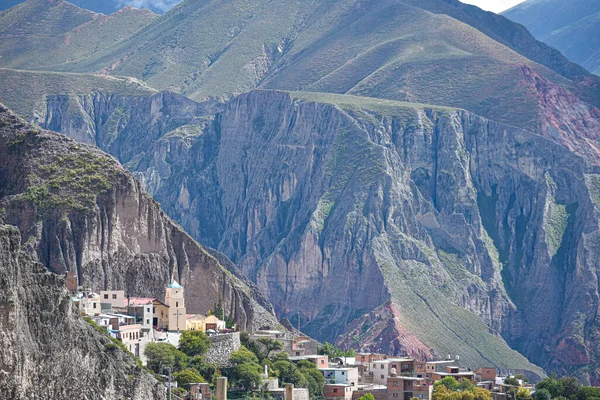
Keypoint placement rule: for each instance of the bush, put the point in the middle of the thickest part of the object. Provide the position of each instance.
(194, 343)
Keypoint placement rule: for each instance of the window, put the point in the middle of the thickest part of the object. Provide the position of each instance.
(106, 296)
(114, 296)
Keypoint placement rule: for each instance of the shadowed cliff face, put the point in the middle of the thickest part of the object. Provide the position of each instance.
(78, 210)
(47, 350)
(448, 232)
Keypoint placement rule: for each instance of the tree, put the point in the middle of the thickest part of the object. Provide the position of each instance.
(269, 345)
(511, 380)
(542, 394)
(194, 343)
(247, 376)
(367, 396)
(205, 369)
(449, 382)
(188, 376)
(553, 385)
(571, 387)
(164, 355)
(588, 393)
(243, 356)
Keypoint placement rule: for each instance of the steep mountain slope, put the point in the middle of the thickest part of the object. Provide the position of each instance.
(78, 210)
(46, 348)
(572, 27)
(38, 34)
(344, 207)
(26, 91)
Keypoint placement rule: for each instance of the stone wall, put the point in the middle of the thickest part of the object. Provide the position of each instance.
(222, 347)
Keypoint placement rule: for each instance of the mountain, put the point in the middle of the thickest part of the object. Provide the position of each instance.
(572, 27)
(430, 228)
(435, 52)
(78, 210)
(38, 34)
(43, 337)
(109, 6)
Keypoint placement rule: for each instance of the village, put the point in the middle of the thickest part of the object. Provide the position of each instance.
(139, 322)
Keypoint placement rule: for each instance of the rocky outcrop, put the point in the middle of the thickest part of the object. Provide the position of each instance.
(79, 210)
(46, 349)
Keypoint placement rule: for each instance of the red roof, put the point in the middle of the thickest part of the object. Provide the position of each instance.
(139, 301)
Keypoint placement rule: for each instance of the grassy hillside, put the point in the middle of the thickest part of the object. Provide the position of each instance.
(41, 84)
(572, 27)
(400, 50)
(39, 34)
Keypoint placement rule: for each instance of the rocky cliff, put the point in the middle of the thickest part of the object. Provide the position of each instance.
(46, 350)
(79, 210)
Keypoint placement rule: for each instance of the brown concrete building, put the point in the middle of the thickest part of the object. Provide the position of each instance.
(405, 388)
(338, 391)
(485, 374)
(454, 372)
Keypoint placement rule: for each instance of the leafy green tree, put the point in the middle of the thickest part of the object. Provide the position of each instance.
(194, 343)
(553, 385)
(247, 376)
(204, 368)
(243, 356)
(269, 345)
(187, 376)
(511, 380)
(588, 393)
(164, 355)
(571, 387)
(543, 394)
(449, 382)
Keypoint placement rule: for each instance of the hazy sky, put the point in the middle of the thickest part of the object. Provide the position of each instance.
(493, 5)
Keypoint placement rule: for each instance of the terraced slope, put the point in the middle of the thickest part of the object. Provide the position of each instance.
(572, 27)
(40, 34)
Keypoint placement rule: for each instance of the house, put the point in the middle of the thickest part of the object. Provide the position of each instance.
(142, 309)
(266, 333)
(485, 374)
(455, 372)
(348, 376)
(428, 368)
(71, 281)
(130, 336)
(321, 361)
(199, 322)
(300, 346)
(338, 391)
(115, 298)
(368, 358)
(89, 304)
(381, 369)
(406, 388)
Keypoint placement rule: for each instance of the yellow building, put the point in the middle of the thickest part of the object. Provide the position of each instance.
(203, 323)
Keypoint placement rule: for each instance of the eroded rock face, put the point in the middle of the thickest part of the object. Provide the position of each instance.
(46, 349)
(463, 232)
(79, 210)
